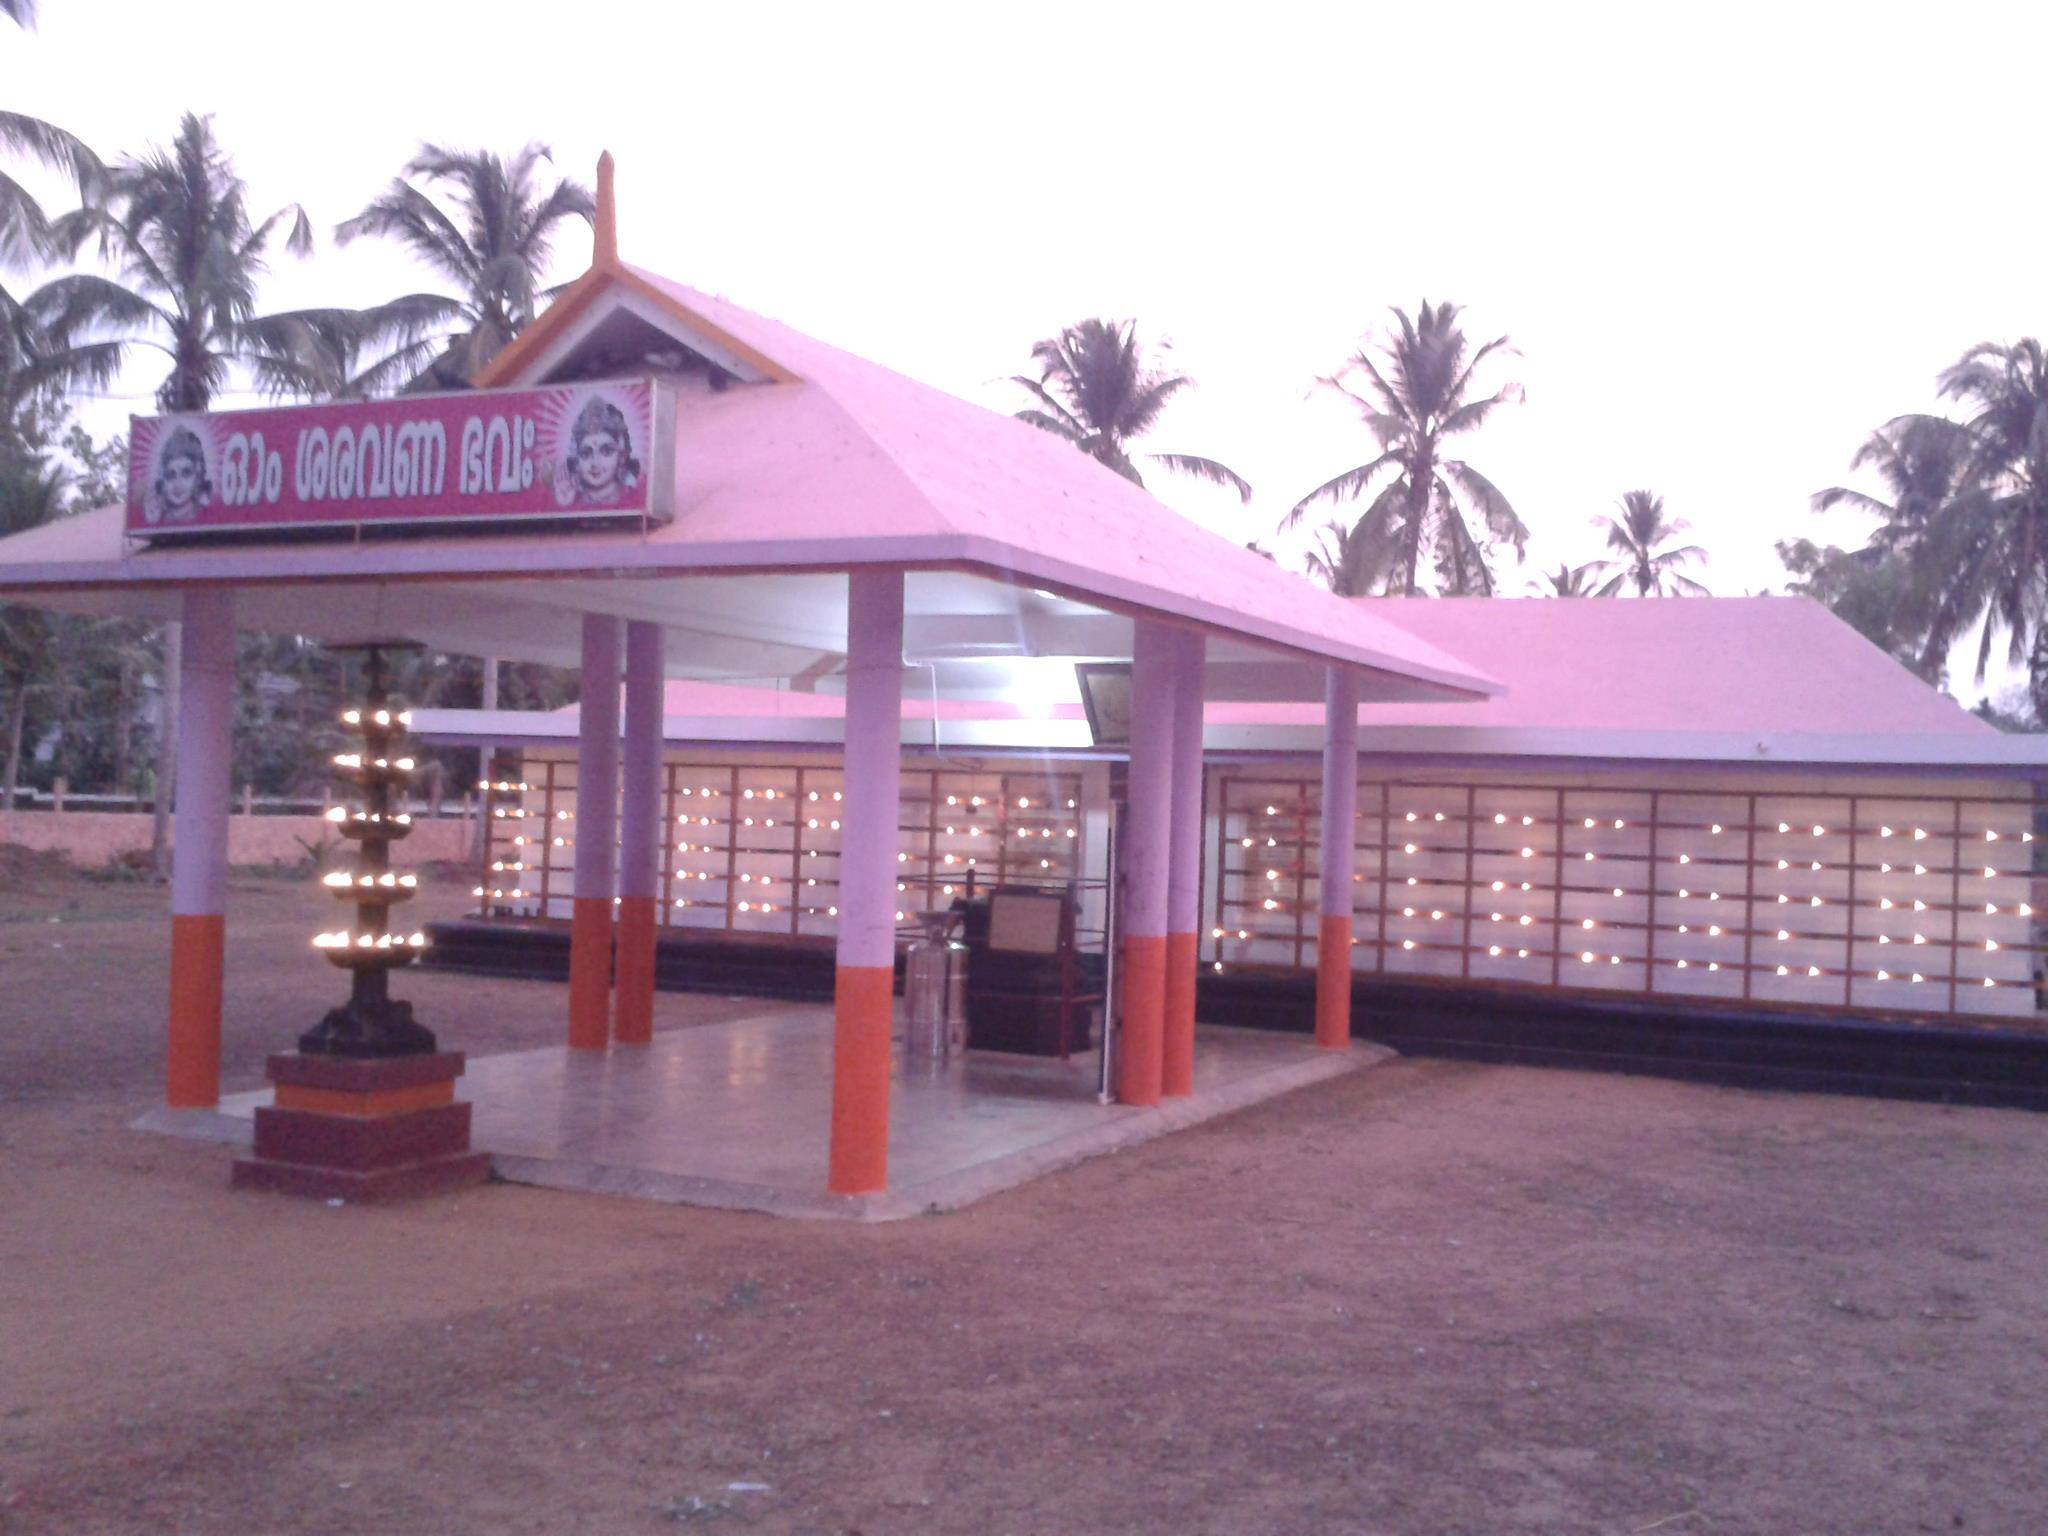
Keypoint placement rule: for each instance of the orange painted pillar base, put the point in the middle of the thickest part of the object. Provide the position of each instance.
(1177, 1046)
(590, 973)
(1333, 984)
(634, 1018)
(863, 1015)
(192, 1065)
(1138, 1052)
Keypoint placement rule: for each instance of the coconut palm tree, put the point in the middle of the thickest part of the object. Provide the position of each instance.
(1921, 461)
(1984, 555)
(1097, 389)
(24, 231)
(1887, 589)
(1648, 562)
(491, 243)
(1349, 564)
(1570, 581)
(175, 224)
(1415, 397)
(358, 354)
(30, 360)
(1874, 590)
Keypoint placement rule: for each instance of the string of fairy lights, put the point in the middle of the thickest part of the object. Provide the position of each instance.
(1699, 882)
(1830, 895)
(757, 848)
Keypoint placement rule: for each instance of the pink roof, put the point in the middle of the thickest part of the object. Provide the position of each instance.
(857, 452)
(1764, 682)
(1678, 667)
(1762, 665)
(846, 464)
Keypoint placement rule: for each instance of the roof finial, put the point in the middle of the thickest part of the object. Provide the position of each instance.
(605, 248)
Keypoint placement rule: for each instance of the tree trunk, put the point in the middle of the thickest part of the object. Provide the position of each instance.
(124, 748)
(15, 722)
(166, 749)
(1418, 518)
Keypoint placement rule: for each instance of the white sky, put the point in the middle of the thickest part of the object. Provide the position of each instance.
(1728, 241)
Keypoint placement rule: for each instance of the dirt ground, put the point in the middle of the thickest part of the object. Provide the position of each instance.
(1427, 1298)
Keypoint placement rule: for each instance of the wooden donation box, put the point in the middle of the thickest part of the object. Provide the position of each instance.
(1025, 990)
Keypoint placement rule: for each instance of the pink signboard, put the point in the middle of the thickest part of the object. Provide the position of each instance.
(564, 453)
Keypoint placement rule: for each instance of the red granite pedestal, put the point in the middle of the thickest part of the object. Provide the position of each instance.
(343, 1128)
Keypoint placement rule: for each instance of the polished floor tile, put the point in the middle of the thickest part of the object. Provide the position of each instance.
(737, 1113)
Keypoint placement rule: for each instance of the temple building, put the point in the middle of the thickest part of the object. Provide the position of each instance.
(853, 650)
(1732, 800)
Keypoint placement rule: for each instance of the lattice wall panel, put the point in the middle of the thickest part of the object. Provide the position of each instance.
(753, 848)
(1915, 902)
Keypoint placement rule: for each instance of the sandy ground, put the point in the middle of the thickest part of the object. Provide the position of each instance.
(1424, 1299)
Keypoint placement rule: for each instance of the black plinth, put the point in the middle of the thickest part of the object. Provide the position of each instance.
(368, 1027)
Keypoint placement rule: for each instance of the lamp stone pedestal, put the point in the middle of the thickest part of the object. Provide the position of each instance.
(363, 1129)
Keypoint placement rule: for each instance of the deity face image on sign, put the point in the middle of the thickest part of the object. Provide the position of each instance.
(182, 480)
(598, 467)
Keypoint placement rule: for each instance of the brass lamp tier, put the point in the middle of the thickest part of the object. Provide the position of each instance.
(371, 1023)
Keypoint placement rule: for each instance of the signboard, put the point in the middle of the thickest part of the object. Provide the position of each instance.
(561, 453)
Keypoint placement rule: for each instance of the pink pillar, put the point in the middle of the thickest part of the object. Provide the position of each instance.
(862, 1013)
(199, 873)
(642, 837)
(1340, 806)
(1146, 855)
(597, 809)
(1184, 871)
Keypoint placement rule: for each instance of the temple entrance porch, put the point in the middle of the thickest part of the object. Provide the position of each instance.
(735, 1114)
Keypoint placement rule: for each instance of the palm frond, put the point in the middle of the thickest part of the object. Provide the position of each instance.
(1205, 469)
(1049, 423)
(1842, 496)
(86, 304)
(1473, 413)
(1148, 397)
(1053, 408)
(1345, 487)
(298, 238)
(51, 146)
(396, 369)
(405, 214)
(1503, 524)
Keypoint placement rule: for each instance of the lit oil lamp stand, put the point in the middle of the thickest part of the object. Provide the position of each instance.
(366, 1107)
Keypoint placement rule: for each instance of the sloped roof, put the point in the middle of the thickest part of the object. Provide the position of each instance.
(1773, 681)
(1759, 664)
(829, 463)
(857, 453)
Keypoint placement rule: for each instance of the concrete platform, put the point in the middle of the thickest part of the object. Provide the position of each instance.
(735, 1115)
